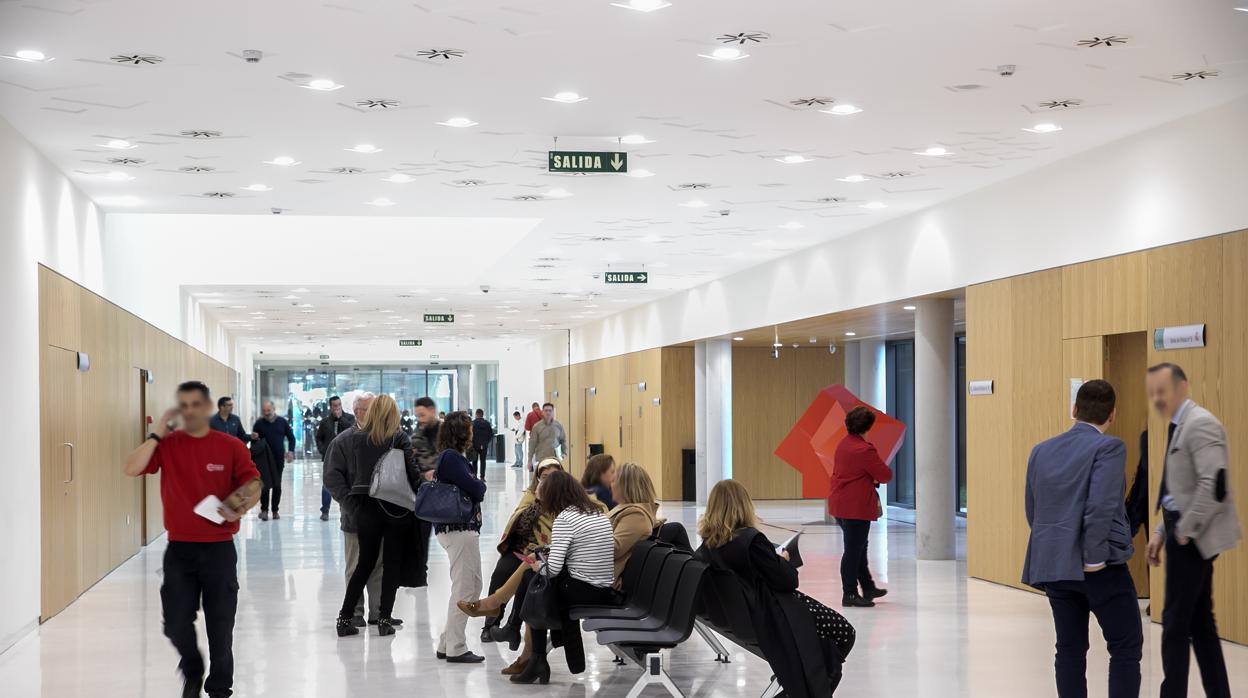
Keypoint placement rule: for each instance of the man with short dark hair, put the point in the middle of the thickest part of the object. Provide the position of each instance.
(226, 422)
(200, 563)
(518, 434)
(427, 420)
(1198, 523)
(332, 424)
(276, 432)
(1081, 542)
(482, 434)
(545, 436)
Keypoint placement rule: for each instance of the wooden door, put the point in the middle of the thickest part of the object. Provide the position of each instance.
(60, 493)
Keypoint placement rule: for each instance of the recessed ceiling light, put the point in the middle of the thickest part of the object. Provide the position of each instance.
(792, 225)
(934, 151)
(458, 122)
(322, 85)
(348, 300)
(635, 139)
(291, 297)
(639, 174)
(398, 178)
(558, 193)
(117, 176)
(738, 339)
(118, 144)
(695, 203)
(380, 201)
(1044, 128)
(1242, 9)
(258, 187)
(119, 201)
(30, 55)
(851, 334)
(909, 307)
(794, 159)
(854, 178)
(439, 300)
(642, 5)
(841, 110)
(282, 161)
(365, 148)
(566, 98)
(726, 53)
(874, 205)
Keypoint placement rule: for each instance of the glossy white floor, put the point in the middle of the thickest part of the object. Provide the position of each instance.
(936, 635)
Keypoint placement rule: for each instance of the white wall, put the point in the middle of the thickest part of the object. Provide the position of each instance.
(43, 219)
(1180, 181)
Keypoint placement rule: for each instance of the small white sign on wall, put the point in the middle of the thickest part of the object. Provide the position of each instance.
(1181, 337)
(979, 387)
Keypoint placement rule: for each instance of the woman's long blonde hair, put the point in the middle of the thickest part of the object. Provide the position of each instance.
(383, 420)
(728, 508)
(633, 485)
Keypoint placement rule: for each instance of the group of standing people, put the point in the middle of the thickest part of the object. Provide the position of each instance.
(1080, 540)
(272, 445)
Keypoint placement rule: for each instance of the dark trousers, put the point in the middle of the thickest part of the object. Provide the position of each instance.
(854, 569)
(207, 572)
(478, 457)
(506, 566)
(325, 500)
(1187, 623)
(573, 592)
(1110, 596)
(374, 527)
(271, 493)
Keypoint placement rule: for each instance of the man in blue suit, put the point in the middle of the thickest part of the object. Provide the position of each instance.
(1080, 544)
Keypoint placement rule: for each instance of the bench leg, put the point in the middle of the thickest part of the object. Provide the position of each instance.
(721, 652)
(772, 689)
(654, 674)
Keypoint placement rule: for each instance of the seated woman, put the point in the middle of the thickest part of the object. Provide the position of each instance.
(598, 476)
(635, 517)
(804, 641)
(580, 563)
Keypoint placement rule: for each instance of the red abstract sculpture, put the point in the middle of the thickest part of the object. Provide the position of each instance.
(811, 444)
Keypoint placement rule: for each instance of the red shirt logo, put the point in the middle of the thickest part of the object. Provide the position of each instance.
(216, 468)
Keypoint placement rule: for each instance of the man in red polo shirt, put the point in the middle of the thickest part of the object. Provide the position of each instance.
(535, 416)
(200, 562)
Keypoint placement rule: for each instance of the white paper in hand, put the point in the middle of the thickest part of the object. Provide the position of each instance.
(207, 508)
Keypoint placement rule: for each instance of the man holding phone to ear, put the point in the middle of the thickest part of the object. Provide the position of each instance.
(200, 562)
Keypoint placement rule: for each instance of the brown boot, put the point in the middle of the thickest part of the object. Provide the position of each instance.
(516, 667)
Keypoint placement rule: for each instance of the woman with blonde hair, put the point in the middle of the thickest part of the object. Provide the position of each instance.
(378, 521)
(804, 641)
(635, 515)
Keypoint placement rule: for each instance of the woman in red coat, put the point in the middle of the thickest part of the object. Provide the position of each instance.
(857, 470)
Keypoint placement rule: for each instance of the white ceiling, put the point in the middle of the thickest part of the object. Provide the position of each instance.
(722, 124)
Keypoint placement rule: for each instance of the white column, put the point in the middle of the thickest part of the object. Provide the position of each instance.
(873, 383)
(934, 462)
(852, 353)
(713, 405)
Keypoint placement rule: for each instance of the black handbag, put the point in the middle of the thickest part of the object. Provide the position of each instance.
(541, 603)
(443, 503)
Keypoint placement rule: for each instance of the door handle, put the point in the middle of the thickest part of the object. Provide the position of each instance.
(71, 462)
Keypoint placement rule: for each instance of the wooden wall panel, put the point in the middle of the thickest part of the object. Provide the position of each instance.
(1231, 582)
(1104, 296)
(112, 514)
(678, 414)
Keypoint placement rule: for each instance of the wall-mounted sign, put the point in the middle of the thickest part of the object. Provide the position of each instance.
(577, 162)
(626, 277)
(979, 387)
(439, 317)
(324, 357)
(411, 342)
(1182, 337)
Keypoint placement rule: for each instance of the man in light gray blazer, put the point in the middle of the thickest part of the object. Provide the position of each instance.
(1198, 523)
(1080, 544)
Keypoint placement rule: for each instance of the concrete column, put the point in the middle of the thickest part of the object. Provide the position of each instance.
(713, 405)
(934, 415)
(873, 383)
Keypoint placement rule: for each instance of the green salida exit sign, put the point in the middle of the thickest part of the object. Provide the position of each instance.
(578, 162)
(411, 342)
(626, 277)
(439, 317)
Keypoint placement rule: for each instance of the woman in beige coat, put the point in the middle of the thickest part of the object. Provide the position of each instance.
(635, 515)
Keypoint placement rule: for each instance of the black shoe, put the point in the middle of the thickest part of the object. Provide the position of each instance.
(264, 514)
(393, 621)
(324, 516)
(508, 634)
(538, 670)
(190, 687)
(345, 627)
(486, 636)
(875, 592)
(440, 655)
(855, 600)
(466, 658)
(359, 622)
(386, 626)
(276, 515)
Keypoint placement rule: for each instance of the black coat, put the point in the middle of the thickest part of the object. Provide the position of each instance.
(329, 428)
(784, 626)
(262, 456)
(482, 433)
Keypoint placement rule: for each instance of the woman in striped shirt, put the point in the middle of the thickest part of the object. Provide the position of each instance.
(581, 562)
